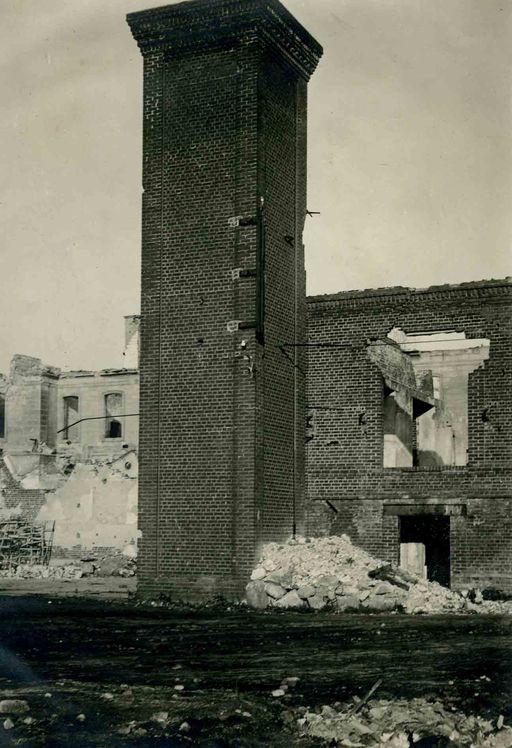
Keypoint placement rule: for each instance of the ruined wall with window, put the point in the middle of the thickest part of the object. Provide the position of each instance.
(409, 444)
(69, 450)
(108, 403)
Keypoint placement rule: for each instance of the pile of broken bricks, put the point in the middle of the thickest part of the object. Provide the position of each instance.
(332, 573)
(400, 723)
(116, 565)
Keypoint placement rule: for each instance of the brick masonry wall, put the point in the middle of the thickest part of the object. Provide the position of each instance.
(344, 459)
(223, 127)
(283, 182)
(188, 368)
(14, 496)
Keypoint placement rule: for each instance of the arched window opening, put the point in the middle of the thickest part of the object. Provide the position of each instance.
(113, 412)
(71, 416)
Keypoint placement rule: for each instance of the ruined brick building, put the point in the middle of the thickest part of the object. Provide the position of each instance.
(408, 392)
(383, 414)
(68, 446)
(409, 438)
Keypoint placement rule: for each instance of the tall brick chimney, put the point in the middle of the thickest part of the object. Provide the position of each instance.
(223, 289)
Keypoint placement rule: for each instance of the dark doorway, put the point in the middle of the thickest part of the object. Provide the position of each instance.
(434, 533)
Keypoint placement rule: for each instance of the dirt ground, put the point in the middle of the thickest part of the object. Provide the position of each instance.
(98, 673)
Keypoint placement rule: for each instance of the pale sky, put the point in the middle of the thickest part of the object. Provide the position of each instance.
(410, 163)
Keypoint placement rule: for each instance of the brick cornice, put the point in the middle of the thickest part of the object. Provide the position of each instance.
(199, 25)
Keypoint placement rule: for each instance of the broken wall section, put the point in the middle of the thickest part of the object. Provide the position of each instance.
(94, 506)
(447, 358)
(405, 397)
(30, 413)
(95, 510)
(348, 484)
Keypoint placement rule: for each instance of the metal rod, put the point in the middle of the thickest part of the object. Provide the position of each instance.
(96, 418)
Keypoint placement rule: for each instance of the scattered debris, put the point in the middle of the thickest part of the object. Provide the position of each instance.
(108, 565)
(13, 706)
(401, 723)
(332, 573)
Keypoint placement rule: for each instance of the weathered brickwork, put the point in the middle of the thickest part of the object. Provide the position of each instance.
(16, 500)
(222, 412)
(348, 488)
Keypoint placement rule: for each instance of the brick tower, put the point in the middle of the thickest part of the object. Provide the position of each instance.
(223, 289)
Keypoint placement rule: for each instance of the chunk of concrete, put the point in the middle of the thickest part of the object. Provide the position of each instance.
(317, 602)
(384, 588)
(380, 603)
(307, 590)
(256, 595)
(282, 577)
(258, 573)
(274, 590)
(328, 592)
(327, 580)
(291, 600)
(347, 602)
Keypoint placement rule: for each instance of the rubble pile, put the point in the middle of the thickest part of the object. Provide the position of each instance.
(108, 566)
(401, 723)
(333, 573)
(38, 571)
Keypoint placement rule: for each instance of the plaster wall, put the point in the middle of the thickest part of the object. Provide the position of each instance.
(95, 509)
(91, 389)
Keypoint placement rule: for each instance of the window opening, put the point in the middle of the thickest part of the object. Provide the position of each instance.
(71, 415)
(113, 411)
(425, 400)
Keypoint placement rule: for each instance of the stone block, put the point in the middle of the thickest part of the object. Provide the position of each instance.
(347, 602)
(380, 603)
(256, 595)
(291, 600)
(306, 591)
(274, 590)
(317, 602)
(258, 573)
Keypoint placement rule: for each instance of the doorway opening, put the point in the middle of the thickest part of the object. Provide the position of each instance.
(425, 546)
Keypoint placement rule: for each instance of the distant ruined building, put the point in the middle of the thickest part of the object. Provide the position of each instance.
(69, 449)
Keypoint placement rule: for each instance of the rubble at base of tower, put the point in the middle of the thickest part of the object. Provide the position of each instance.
(331, 573)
